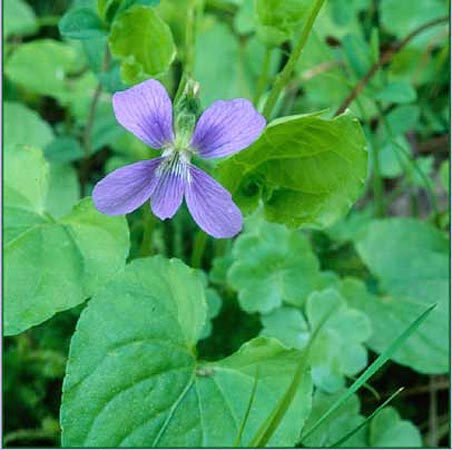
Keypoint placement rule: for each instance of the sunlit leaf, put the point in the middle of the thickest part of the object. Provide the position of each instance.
(272, 265)
(155, 311)
(51, 265)
(143, 42)
(307, 170)
(23, 126)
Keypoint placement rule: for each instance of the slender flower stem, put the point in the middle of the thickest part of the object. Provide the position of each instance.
(86, 139)
(198, 249)
(93, 107)
(283, 78)
(190, 37)
(149, 223)
(194, 12)
(377, 180)
(263, 78)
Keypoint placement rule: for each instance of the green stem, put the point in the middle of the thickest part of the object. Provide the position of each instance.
(268, 428)
(30, 435)
(283, 78)
(263, 78)
(199, 247)
(194, 11)
(148, 229)
(87, 134)
(377, 181)
(190, 38)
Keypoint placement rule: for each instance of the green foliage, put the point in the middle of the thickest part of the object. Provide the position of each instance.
(155, 311)
(387, 429)
(143, 42)
(412, 276)
(338, 348)
(401, 18)
(22, 126)
(52, 62)
(279, 19)
(19, 18)
(307, 170)
(343, 420)
(272, 265)
(81, 23)
(51, 265)
(229, 354)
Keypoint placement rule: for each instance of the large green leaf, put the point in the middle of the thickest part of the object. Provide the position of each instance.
(51, 265)
(64, 190)
(272, 265)
(133, 379)
(144, 43)
(307, 170)
(22, 126)
(411, 261)
(42, 66)
(338, 350)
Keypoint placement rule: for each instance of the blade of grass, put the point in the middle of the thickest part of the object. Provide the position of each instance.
(248, 410)
(272, 422)
(368, 419)
(371, 370)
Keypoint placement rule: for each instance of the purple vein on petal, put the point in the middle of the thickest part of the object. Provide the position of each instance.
(127, 188)
(211, 205)
(169, 192)
(146, 111)
(227, 127)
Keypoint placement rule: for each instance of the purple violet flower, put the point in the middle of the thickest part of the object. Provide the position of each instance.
(225, 128)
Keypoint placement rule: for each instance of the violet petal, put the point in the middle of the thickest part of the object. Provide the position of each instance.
(127, 188)
(211, 205)
(146, 111)
(227, 127)
(169, 192)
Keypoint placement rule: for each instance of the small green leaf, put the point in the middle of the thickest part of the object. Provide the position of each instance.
(143, 42)
(23, 126)
(279, 19)
(42, 67)
(82, 23)
(109, 9)
(51, 265)
(19, 19)
(338, 350)
(388, 430)
(309, 170)
(397, 92)
(63, 149)
(343, 420)
(155, 311)
(367, 374)
(272, 265)
(401, 17)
